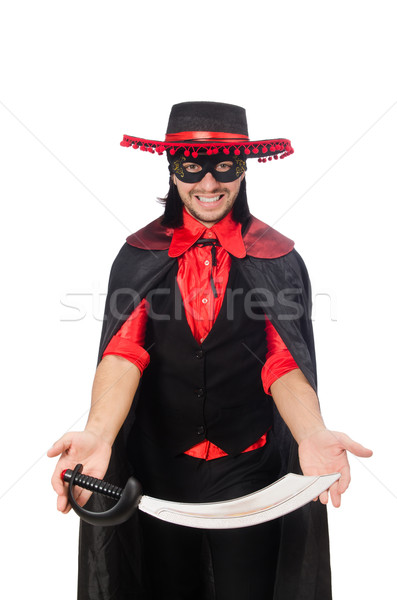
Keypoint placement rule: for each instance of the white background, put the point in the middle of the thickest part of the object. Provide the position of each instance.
(74, 77)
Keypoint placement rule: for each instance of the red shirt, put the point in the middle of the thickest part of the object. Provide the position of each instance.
(202, 307)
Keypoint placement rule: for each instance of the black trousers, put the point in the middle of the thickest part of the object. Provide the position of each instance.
(185, 563)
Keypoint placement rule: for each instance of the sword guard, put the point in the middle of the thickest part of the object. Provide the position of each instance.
(120, 512)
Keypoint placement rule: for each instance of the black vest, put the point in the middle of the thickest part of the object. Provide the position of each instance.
(191, 392)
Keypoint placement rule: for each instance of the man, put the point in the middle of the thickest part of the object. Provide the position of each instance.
(207, 320)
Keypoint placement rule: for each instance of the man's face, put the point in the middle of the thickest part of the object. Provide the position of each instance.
(208, 200)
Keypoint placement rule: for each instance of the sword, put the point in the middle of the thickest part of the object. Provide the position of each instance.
(277, 499)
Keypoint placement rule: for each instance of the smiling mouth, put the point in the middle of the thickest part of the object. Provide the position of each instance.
(209, 200)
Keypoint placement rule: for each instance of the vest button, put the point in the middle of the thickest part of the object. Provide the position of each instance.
(200, 392)
(200, 430)
(199, 354)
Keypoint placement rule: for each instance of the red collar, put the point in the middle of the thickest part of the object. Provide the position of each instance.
(260, 240)
(227, 231)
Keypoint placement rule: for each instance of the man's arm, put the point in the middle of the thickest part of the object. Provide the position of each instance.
(320, 451)
(115, 384)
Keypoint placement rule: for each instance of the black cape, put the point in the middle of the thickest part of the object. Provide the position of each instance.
(109, 557)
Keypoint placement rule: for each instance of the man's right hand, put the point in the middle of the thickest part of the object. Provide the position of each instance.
(83, 447)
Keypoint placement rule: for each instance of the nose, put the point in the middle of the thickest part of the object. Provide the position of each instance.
(208, 182)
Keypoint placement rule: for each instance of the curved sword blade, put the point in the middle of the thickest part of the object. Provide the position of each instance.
(278, 499)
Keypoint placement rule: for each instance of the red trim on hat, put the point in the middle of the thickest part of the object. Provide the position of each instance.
(184, 136)
(250, 148)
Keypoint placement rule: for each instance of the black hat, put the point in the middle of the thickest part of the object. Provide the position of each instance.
(212, 126)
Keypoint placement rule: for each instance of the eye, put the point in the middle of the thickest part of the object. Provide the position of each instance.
(224, 166)
(192, 167)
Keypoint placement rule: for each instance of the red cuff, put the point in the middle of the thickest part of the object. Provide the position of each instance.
(132, 352)
(277, 365)
(129, 340)
(278, 358)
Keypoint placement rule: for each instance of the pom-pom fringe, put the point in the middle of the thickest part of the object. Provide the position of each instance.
(273, 148)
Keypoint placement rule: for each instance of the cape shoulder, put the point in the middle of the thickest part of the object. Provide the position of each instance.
(260, 239)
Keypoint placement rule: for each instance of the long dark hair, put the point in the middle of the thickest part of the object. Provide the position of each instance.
(173, 215)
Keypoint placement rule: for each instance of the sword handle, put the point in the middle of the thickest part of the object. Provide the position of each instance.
(129, 497)
(94, 485)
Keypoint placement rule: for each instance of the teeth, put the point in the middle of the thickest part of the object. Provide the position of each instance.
(208, 200)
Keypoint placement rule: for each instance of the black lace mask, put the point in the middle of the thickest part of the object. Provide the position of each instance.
(193, 169)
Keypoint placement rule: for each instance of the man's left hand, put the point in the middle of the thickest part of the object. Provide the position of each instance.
(325, 452)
